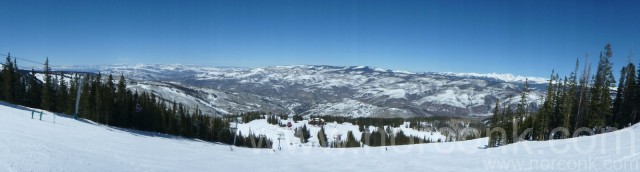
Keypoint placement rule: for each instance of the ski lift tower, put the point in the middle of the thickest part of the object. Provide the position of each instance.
(234, 129)
(80, 83)
(280, 137)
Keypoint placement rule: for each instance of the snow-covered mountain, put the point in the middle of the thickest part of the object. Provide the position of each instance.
(326, 90)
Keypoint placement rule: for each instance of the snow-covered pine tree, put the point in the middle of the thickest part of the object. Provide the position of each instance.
(322, 138)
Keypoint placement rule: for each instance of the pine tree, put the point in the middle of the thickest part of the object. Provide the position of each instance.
(19, 91)
(34, 92)
(628, 105)
(122, 101)
(494, 137)
(619, 99)
(99, 98)
(62, 95)
(521, 111)
(583, 100)
(351, 140)
(600, 112)
(7, 79)
(47, 89)
(87, 99)
(558, 106)
(569, 98)
(303, 133)
(108, 93)
(507, 122)
(73, 93)
(543, 119)
(322, 138)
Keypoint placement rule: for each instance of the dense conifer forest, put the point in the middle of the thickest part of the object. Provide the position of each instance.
(577, 105)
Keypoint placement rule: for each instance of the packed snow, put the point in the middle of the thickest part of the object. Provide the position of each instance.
(28, 144)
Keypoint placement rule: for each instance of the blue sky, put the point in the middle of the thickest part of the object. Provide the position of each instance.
(520, 37)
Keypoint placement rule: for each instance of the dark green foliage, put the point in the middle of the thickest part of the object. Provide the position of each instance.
(249, 116)
(625, 106)
(8, 80)
(384, 137)
(322, 138)
(47, 90)
(435, 122)
(574, 104)
(272, 119)
(62, 96)
(349, 142)
(34, 91)
(600, 112)
(495, 138)
(297, 118)
(284, 117)
(105, 102)
(303, 133)
(253, 141)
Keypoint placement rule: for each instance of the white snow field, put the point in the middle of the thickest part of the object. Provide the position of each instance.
(70, 145)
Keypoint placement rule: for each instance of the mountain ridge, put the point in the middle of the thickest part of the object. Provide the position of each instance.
(357, 91)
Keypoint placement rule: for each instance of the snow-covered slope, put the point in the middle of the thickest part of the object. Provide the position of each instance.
(333, 90)
(68, 145)
(333, 132)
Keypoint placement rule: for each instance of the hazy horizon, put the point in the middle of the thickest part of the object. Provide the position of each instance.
(520, 38)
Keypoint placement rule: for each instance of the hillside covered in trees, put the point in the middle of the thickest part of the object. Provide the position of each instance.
(107, 101)
(574, 106)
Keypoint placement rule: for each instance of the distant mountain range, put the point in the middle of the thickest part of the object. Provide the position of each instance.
(357, 91)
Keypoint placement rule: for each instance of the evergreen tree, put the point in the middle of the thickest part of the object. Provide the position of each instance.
(73, 93)
(97, 89)
(87, 99)
(34, 92)
(8, 79)
(19, 86)
(47, 89)
(569, 98)
(618, 101)
(122, 101)
(303, 133)
(62, 95)
(494, 137)
(543, 119)
(600, 112)
(557, 117)
(351, 140)
(626, 102)
(583, 100)
(109, 93)
(322, 138)
(521, 110)
(510, 124)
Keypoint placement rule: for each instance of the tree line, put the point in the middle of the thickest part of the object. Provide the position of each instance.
(572, 106)
(107, 101)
